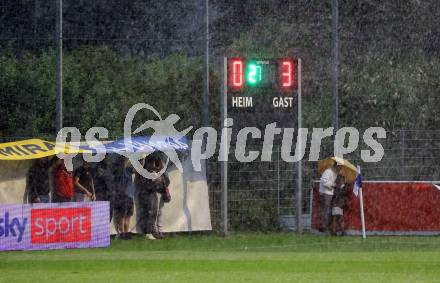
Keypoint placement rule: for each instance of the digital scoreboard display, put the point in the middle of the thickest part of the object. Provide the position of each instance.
(245, 75)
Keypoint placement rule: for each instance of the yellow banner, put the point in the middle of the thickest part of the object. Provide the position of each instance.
(32, 149)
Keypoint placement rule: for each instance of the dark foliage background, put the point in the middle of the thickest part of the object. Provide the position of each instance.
(121, 52)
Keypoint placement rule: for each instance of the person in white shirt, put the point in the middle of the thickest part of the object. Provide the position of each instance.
(327, 185)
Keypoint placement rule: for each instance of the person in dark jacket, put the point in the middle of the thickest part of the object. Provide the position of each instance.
(84, 186)
(124, 196)
(339, 202)
(38, 186)
(150, 196)
(103, 180)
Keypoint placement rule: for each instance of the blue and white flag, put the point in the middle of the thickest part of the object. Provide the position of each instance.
(358, 182)
(141, 144)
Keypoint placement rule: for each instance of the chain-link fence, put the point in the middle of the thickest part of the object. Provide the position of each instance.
(261, 194)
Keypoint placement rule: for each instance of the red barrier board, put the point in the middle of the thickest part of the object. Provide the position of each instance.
(390, 208)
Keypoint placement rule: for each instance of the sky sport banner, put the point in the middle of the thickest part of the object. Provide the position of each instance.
(54, 226)
(36, 148)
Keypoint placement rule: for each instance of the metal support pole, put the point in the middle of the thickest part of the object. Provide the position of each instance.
(59, 66)
(361, 202)
(299, 225)
(402, 156)
(224, 163)
(206, 121)
(35, 23)
(278, 179)
(335, 65)
(205, 110)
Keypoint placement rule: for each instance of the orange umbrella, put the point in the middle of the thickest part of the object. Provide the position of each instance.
(348, 170)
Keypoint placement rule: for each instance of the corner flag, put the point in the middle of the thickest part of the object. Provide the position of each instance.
(357, 191)
(358, 182)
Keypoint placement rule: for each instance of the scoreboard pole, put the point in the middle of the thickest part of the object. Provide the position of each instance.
(299, 226)
(224, 163)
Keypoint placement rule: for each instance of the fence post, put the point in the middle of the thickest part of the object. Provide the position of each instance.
(335, 63)
(206, 94)
(59, 65)
(299, 227)
(278, 179)
(224, 163)
(402, 155)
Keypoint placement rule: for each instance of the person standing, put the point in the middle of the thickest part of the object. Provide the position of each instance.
(339, 202)
(327, 184)
(37, 181)
(124, 196)
(102, 181)
(84, 187)
(150, 196)
(63, 179)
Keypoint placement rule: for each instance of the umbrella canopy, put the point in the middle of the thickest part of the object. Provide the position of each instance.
(348, 170)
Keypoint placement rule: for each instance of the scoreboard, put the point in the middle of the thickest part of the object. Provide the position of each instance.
(244, 75)
(256, 93)
(248, 79)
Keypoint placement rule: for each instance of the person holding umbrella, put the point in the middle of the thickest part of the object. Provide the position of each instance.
(327, 184)
(329, 169)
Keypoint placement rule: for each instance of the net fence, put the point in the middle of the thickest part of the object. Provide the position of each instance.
(261, 194)
(118, 53)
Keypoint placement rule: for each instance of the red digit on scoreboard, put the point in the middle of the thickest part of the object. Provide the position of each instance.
(287, 74)
(236, 73)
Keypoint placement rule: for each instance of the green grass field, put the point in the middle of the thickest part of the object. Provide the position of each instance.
(236, 258)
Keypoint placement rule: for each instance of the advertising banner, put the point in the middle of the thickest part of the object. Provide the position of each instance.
(36, 148)
(390, 208)
(54, 226)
